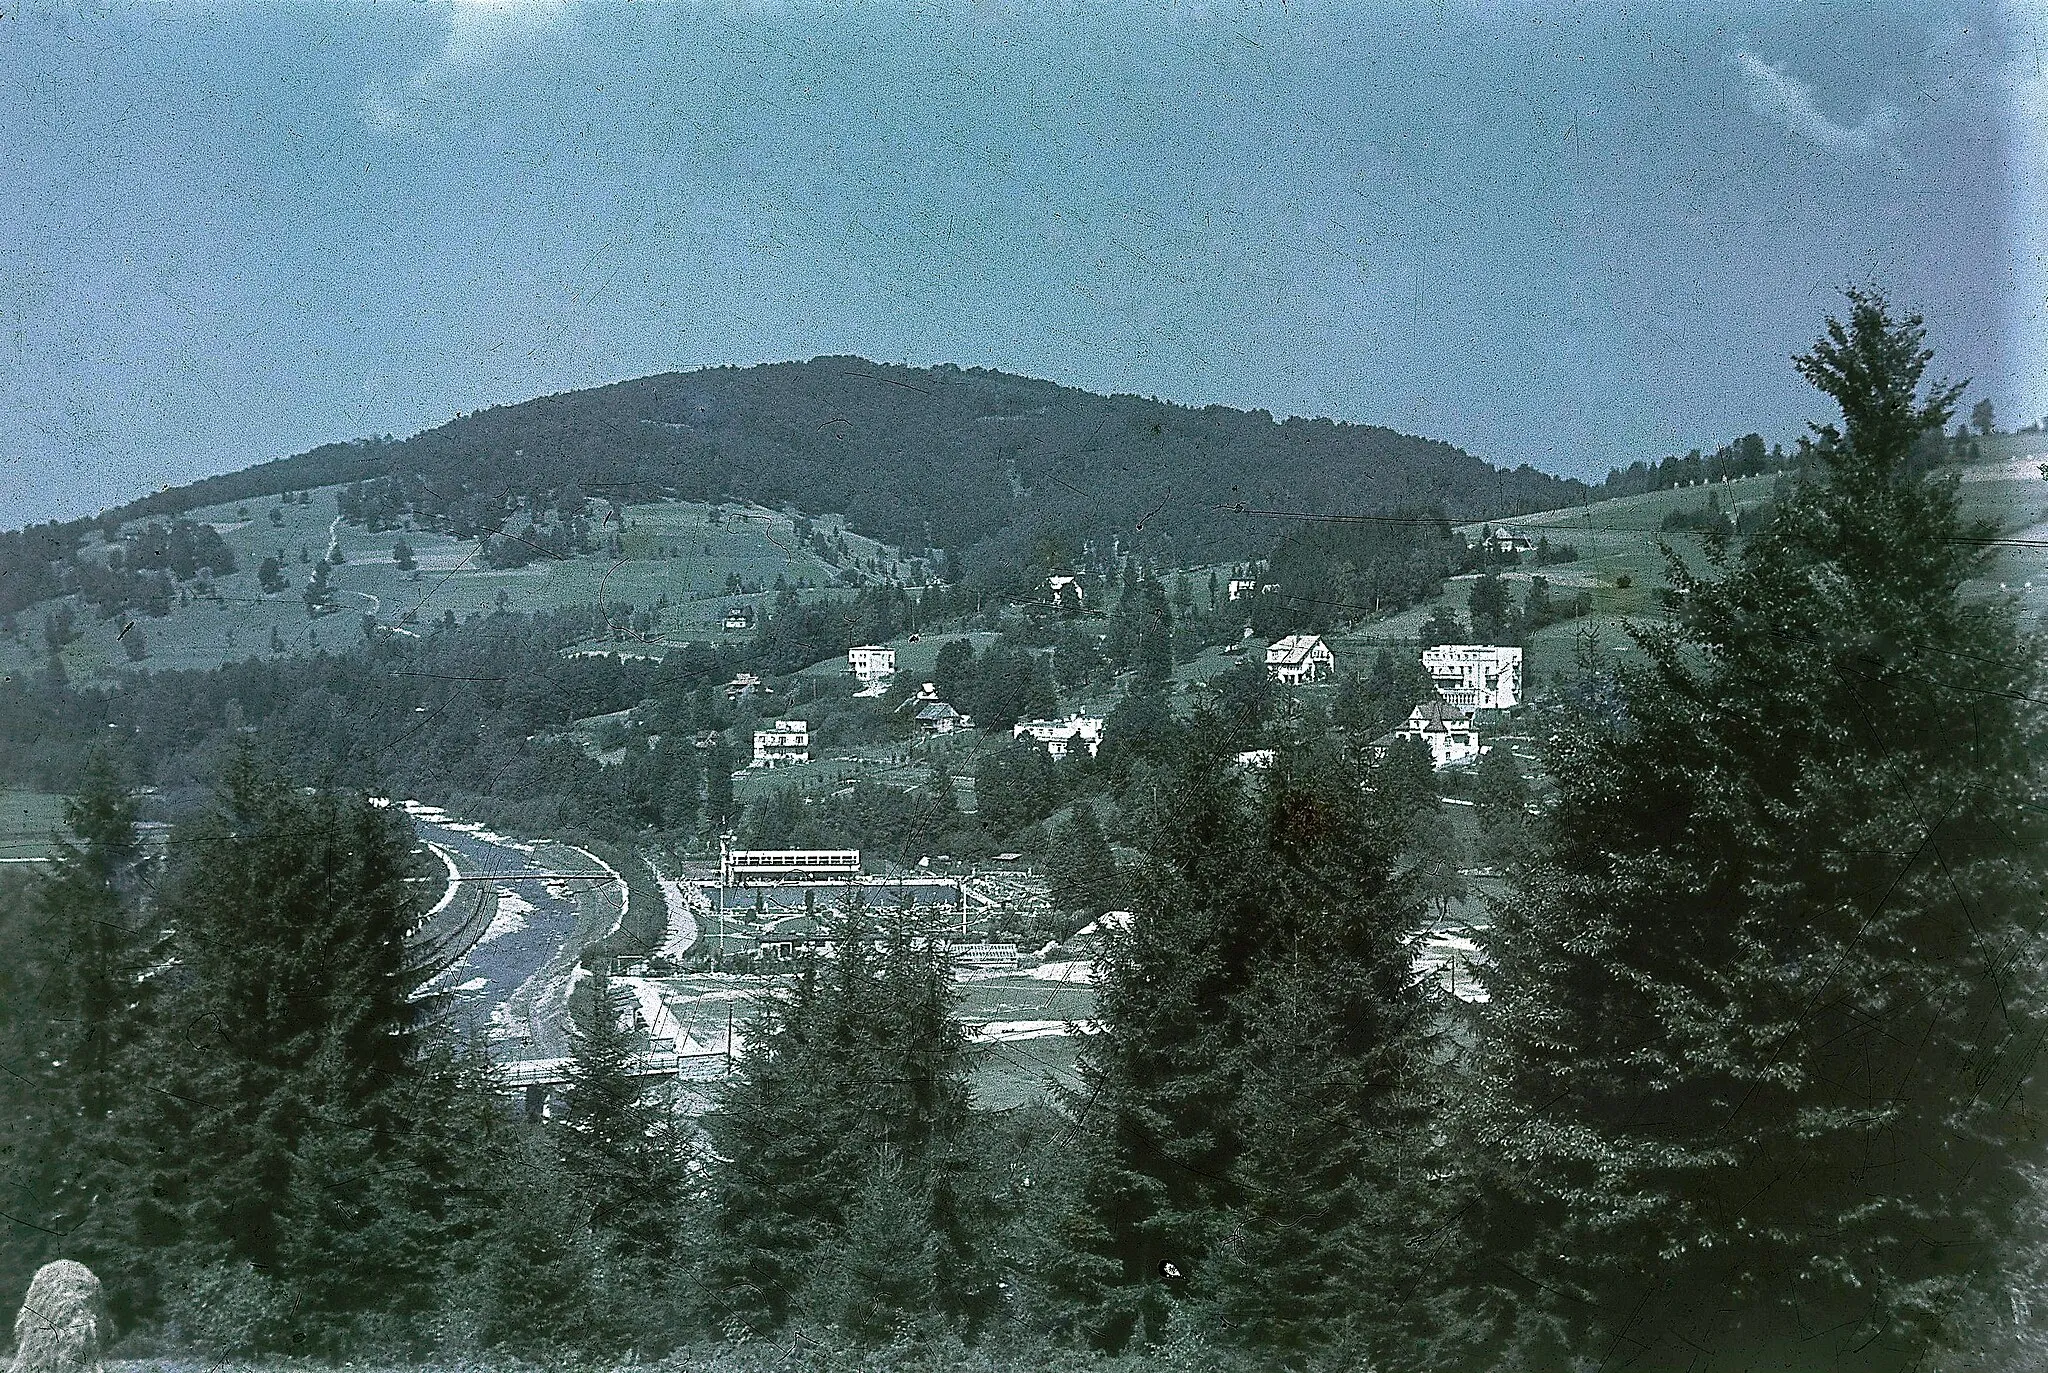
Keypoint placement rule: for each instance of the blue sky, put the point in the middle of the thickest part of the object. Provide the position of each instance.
(1563, 235)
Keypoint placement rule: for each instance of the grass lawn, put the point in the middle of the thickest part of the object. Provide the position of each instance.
(26, 820)
(672, 550)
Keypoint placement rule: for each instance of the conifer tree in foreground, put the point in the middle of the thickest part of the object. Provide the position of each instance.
(80, 1009)
(1753, 1076)
(1249, 1123)
(287, 1138)
(840, 1133)
(620, 1144)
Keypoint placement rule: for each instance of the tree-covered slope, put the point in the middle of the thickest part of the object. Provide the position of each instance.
(978, 462)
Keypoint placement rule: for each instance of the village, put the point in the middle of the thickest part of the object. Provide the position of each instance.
(735, 922)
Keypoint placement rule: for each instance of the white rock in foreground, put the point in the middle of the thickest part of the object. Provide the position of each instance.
(63, 1321)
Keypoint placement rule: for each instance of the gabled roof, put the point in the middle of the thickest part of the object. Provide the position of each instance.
(937, 710)
(1293, 649)
(1438, 714)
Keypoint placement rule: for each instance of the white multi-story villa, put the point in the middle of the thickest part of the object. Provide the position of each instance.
(1476, 676)
(788, 742)
(871, 662)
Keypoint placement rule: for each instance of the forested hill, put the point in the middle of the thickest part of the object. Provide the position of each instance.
(978, 462)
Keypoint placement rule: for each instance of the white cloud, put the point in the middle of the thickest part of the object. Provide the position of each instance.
(1778, 95)
(477, 30)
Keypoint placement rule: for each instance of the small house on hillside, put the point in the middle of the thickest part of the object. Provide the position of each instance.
(1059, 584)
(1242, 588)
(1448, 731)
(1060, 736)
(740, 617)
(1299, 658)
(744, 685)
(936, 717)
(1501, 539)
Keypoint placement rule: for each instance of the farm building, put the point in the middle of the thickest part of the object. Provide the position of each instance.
(1501, 539)
(936, 717)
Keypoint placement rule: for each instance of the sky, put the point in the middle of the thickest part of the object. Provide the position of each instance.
(1566, 235)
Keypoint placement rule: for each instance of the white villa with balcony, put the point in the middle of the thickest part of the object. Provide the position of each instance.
(1476, 676)
(788, 742)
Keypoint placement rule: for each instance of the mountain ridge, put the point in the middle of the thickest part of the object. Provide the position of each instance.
(946, 457)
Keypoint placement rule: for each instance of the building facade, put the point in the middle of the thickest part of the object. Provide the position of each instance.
(1060, 736)
(788, 742)
(1299, 658)
(871, 662)
(1448, 731)
(1476, 676)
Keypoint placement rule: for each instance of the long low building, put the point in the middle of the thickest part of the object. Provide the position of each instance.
(1061, 736)
(784, 865)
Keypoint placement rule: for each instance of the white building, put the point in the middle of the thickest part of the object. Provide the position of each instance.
(1452, 737)
(1059, 736)
(788, 742)
(1256, 758)
(1242, 587)
(1059, 584)
(740, 866)
(1299, 658)
(871, 662)
(1476, 676)
(1501, 539)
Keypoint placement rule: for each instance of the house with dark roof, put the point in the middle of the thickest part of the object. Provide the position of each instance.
(1299, 658)
(937, 717)
(1452, 737)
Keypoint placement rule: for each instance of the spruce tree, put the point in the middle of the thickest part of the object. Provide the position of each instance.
(614, 1142)
(857, 1072)
(1753, 1077)
(294, 1016)
(1082, 868)
(1253, 1101)
(80, 1010)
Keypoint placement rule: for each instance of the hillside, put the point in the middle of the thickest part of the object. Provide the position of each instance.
(981, 463)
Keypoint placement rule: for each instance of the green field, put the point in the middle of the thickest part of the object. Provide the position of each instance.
(27, 819)
(915, 658)
(672, 550)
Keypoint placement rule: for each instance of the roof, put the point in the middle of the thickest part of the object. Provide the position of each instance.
(1438, 714)
(938, 710)
(1295, 648)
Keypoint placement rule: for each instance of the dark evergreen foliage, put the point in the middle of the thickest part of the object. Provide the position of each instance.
(1752, 1069)
(1257, 1092)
